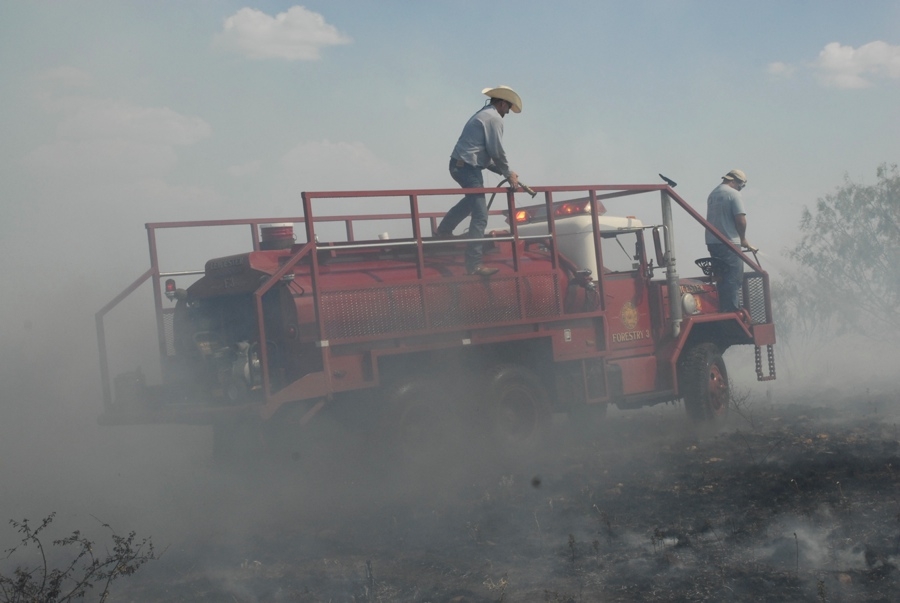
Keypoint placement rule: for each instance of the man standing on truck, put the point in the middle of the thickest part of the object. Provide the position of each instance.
(725, 211)
(480, 147)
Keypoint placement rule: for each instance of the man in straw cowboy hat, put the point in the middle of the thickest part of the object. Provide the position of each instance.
(480, 147)
(725, 211)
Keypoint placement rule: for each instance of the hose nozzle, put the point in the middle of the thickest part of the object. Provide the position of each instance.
(527, 189)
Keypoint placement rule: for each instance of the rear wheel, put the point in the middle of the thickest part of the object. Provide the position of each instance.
(704, 383)
(518, 408)
(419, 423)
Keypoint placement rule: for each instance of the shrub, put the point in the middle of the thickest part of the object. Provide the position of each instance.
(85, 572)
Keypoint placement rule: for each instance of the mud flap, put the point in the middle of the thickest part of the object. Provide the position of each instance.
(130, 392)
(759, 372)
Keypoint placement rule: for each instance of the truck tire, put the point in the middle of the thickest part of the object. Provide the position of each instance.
(419, 423)
(518, 409)
(288, 442)
(236, 443)
(704, 383)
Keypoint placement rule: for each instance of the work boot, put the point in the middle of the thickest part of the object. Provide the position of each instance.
(442, 235)
(482, 270)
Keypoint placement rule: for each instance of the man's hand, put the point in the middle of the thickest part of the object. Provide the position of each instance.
(514, 180)
(746, 245)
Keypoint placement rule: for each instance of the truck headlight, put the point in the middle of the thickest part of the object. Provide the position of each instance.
(690, 303)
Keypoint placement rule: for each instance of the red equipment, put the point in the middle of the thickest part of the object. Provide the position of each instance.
(395, 326)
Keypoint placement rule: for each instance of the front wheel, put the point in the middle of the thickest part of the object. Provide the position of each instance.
(704, 383)
(237, 442)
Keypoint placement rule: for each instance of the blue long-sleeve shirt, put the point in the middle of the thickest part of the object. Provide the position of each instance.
(480, 143)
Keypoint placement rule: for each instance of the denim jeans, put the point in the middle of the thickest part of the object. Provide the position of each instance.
(475, 205)
(729, 285)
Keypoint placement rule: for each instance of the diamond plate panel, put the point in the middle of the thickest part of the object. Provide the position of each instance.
(492, 300)
(756, 302)
(372, 311)
(169, 331)
(542, 296)
(362, 312)
(473, 302)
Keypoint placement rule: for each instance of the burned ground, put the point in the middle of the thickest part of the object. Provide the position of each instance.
(791, 501)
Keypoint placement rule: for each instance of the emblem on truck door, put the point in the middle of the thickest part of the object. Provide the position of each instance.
(629, 316)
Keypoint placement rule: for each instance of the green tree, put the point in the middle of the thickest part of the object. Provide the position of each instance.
(850, 259)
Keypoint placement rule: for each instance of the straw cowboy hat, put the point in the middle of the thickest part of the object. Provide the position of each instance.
(505, 93)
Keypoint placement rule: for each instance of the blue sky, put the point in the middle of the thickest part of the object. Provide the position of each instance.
(119, 113)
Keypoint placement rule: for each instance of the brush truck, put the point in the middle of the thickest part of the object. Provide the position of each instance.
(586, 310)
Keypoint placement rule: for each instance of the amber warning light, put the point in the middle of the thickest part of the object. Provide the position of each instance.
(562, 209)
(571, 208)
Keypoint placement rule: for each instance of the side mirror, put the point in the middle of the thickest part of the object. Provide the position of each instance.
(657, 245)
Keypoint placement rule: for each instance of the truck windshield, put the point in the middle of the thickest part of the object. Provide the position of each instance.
(620, 251)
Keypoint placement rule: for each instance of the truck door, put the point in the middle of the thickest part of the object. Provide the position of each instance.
(626, 288)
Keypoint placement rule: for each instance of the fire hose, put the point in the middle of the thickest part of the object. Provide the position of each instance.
(522, 185)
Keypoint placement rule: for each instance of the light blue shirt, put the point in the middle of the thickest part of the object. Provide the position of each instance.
(480, 143)
(722, 207)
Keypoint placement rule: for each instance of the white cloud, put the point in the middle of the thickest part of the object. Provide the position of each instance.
(295, 35)
(847, 67)
(47, 85)
(92, 118)
(87, 160)
(102, 140)
(332, 162)
(326, 165)
(780, 69)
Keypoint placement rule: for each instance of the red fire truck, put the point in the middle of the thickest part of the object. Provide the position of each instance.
(586, 310)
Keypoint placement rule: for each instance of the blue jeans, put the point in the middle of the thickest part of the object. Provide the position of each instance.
(729, 284)
(475, 205)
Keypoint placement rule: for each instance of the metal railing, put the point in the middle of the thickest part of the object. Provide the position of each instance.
(308, 251)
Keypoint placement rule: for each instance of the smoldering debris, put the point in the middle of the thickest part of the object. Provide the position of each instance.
(646, 510)
(641, 507)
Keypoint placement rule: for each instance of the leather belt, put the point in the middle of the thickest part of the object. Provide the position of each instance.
(459, 163)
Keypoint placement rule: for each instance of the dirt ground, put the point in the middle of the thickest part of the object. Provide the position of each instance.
(792, 500)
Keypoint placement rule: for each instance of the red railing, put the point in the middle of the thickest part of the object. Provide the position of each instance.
(595, 193)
